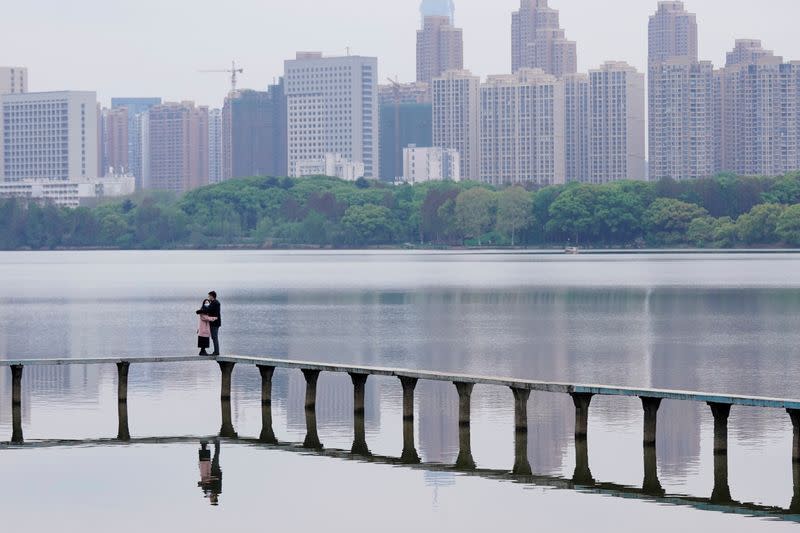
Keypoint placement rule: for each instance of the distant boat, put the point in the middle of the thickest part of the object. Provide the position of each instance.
(572, 250)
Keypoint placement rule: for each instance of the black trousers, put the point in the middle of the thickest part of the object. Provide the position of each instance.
(215, 339)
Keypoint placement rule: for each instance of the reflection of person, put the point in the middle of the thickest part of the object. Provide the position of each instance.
(210, 472)
(215, 311)
(204, 327)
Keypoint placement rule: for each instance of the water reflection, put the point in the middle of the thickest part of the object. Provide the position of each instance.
(210, 472)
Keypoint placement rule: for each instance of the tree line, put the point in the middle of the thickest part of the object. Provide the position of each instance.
(722, 212)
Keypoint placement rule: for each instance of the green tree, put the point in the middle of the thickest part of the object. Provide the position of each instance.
(473, 212)
(789, 225)
(667, 220)
(369, 225)
(701, 232)
(514, 211)
(760, 225)
(572, 213)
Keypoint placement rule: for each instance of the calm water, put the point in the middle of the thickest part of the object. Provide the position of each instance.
(724, 323)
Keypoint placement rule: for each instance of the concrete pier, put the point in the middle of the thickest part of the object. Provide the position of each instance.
(16, 384)
(464, 402)
(122, 381)
(721, 412)
(312, 441)
(409, 455)
(794, 414)
(650, 406)
(311, 377)
(721, 494)
(521, 397)
(522, 465)
(267, 435)
(360, 446)
(408, 384)
(581, 401)
(359, 391)
(794, 507)
(226, 368)
(464, 461)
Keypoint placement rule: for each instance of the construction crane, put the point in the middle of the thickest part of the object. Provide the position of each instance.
(233, 71)
(398, 149)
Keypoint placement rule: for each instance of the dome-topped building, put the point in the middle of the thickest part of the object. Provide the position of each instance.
(437, 8)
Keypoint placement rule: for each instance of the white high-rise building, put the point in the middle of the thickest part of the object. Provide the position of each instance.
(50, 135)
(440, 47)
(214, 145)
(759, 124)
(456, 118)
(672, 33)
(13, 80)
(576, 127)
(617, 117)
(537, 40)
(332, 108)
(421, 164)
(522, 129)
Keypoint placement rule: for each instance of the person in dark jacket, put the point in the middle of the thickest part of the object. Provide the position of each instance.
(215, 311)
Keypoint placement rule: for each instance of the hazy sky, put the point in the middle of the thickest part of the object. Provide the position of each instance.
(156, 47)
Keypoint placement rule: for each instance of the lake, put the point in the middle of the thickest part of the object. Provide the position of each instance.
(723, 323)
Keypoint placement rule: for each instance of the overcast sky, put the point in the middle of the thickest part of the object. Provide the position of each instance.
(156, 47)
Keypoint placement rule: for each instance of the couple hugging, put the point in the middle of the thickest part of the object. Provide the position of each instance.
(210, 314)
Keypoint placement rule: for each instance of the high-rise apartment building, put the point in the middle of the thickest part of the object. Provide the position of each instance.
(672, 33)
(214, 145)
(440, 47)
(522, 129)
(175, 147)
(537, 40)
(50, 135)
(421, 164)
(681, 98)
(759, 125)
(115, 142)
(456, 118)
(13, 80)
(616, 123)
(136, 107)
(576, 127)
(254, 133)
(332, 108)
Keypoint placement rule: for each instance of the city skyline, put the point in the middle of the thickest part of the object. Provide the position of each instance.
(168, 61)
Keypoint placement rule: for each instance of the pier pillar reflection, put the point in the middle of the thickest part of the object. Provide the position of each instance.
(582, 474)
(312, 437)
(123, 431)
(227, 373)
(651, 406)
(522, 465)
(409, 455)
(227, 430)
(581, 401)
(794, 507)
(267, 435)
(722, 490)
(794, 414)
(16, 384)
(359, 425)
(721, 412)
(651, 484)
(16, 424)
(464, 460)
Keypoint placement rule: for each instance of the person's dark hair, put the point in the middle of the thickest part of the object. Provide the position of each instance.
(213, 294)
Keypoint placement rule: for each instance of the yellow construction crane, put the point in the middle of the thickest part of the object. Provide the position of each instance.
(233, 71)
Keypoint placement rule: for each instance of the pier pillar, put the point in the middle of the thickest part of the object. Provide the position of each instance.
(311, 387)
(650, 406)
(409, 384)
(521, 397)
(123, 431)
(464, 401)
(227, 430)
(522, 465)
(16, 424)
(122, 381)
(795, 416)
(227, 373)
(794, 507)
(359, 391)
(16, 384)
(267, 434)
(581, 401)
(721, 411)
(722, 490)
(651, 484)
(582, 474)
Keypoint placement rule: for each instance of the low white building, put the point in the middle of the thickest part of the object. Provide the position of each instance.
(333, 165)
(422, 164)
(69, 193)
